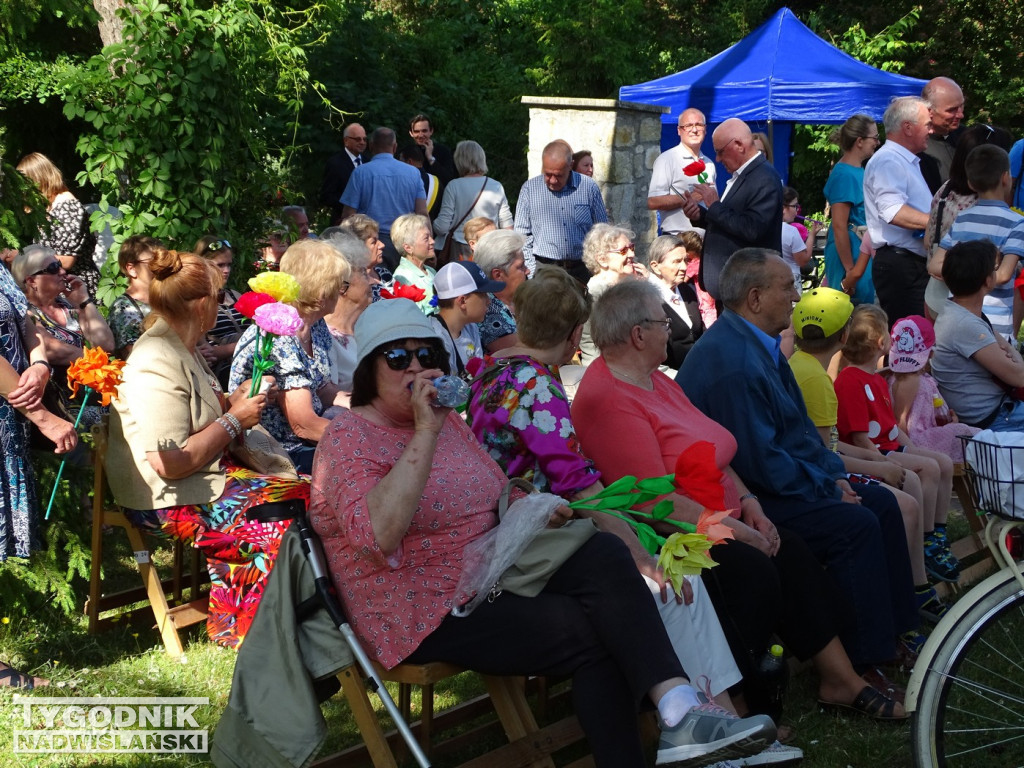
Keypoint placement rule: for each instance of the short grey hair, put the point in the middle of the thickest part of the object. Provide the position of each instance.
(745, 270)
(662, 247)
(498, 249)
(351, 248)
(470, 158)
(383, 140)
(902, 109)
(619, 309)
(405, 228)
(599, 239)
(559, 148)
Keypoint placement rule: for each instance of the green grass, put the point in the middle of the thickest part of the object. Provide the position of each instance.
(128, 660)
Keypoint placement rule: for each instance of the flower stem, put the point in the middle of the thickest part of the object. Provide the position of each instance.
(60, 471)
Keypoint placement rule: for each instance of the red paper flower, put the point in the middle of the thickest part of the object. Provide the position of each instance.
(698, 476)
(250, 301)
(402, 291)
(695, 168)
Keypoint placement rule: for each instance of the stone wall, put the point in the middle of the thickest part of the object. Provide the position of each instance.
(625, 138)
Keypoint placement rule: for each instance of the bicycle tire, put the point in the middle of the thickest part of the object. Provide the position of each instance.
(970, 708)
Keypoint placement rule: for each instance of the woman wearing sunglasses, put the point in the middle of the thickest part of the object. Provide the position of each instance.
(219, 345)
(610, 255)
(301, 363)
(167, 460)
(401, 488)
(60, 305)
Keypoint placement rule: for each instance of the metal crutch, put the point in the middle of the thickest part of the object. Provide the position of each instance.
(314, 553)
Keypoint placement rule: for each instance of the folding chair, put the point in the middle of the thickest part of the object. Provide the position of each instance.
(154, 590)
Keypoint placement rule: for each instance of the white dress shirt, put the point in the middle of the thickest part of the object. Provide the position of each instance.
(893, 179)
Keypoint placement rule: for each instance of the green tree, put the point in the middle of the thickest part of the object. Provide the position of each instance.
(192, 118)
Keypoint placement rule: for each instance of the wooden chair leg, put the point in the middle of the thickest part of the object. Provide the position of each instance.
(155, 590)
(508, 695)
(366, 719)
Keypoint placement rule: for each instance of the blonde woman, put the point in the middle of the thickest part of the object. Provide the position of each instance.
(69, 234)
(302, 362)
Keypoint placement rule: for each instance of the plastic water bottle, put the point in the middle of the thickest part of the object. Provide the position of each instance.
(773, 677)
(452, 392)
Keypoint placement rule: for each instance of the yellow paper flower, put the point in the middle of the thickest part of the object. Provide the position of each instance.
(280, 285)
(96, 371)
(682, 555)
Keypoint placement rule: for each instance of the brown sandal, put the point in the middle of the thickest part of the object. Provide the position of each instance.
(870, 702)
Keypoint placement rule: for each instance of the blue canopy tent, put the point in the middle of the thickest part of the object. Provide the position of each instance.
(780, 74)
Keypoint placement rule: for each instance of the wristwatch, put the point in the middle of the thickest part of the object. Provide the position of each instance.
(42, 362)
(87, 302)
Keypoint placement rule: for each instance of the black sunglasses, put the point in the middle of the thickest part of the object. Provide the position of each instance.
(401, 358)
(217, 245)
(53, 268)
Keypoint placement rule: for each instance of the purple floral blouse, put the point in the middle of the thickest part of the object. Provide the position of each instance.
(519, 412)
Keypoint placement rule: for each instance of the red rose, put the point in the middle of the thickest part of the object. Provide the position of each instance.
(695, 168)
(402, 291)
(250, 301)
(698, 476)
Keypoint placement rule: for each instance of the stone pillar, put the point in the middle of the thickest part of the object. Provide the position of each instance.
(625, 139)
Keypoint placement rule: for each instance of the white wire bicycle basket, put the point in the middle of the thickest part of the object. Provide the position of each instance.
(995, 465)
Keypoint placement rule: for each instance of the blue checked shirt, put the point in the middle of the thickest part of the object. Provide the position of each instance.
(555, 223)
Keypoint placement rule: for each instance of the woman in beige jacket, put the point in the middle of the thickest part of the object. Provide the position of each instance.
(169, 430)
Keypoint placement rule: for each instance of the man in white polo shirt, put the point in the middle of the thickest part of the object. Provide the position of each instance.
(896, 204)
(669, 183)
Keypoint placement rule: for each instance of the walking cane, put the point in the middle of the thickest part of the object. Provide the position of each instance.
(315, 555)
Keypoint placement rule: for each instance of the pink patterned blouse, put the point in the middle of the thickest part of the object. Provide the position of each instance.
(395, 601)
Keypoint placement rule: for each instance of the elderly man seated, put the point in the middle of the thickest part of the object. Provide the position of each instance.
(737, 375)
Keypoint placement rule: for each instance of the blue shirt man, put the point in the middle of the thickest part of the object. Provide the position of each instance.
(556, 210)
(384, 188)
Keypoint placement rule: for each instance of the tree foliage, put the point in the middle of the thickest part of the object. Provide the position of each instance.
(186, 116)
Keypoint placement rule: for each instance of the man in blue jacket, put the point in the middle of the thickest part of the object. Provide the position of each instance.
(737, 375)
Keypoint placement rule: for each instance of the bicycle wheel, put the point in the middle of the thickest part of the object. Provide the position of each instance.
(970, 709)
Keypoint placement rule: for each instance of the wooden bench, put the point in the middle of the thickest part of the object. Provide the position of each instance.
(171, 615)
(528, 745)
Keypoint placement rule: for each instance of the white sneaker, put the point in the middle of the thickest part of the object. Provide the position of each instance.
(777, 754)
(709, 734)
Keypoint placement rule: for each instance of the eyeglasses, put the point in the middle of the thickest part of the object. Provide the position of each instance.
(359, 139)
(988, 135)
(690, 126)
(624, 249)
(721, 149)
(401, 358)
(666, 323)
(217, 245)
(53, 268)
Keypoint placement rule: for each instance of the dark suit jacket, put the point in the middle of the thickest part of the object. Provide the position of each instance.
(336, 175)
(682, 336)
(444, 164)
(751, 216)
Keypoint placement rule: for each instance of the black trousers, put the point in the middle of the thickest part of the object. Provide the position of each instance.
(757, 596)
(900, 277)
(596, 621)
(574, 267)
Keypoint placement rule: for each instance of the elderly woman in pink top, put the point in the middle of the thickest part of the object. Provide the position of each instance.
(401, 488)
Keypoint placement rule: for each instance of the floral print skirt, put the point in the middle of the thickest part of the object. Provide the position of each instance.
(239, 554)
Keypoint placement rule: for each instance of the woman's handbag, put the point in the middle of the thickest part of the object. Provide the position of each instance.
(445, 254)
(521, 553)
(259, 451)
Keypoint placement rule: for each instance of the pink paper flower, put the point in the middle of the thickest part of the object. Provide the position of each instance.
(278, 319)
